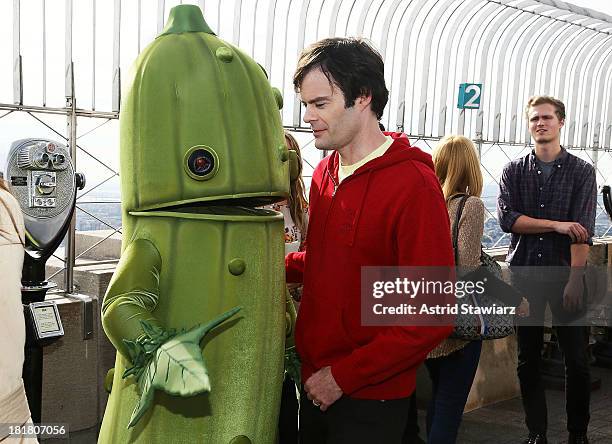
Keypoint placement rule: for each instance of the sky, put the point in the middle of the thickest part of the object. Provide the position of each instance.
(604, 6)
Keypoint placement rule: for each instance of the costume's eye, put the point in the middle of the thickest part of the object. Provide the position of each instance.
(201, 163)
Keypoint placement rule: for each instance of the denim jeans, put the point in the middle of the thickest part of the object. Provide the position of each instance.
(451, 378)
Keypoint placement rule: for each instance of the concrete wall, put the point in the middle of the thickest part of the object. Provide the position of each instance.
(74, 368)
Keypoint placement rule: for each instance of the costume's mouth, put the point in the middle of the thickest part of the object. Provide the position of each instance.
(242, 205)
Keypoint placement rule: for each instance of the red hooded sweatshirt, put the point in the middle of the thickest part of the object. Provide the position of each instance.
(390, 211)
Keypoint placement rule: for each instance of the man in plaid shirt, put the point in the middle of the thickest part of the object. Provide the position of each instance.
(547, 201)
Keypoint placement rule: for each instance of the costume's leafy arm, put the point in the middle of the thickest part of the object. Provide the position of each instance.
(161, 358)
(132, 295)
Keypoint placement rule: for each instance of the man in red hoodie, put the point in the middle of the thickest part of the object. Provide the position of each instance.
(375, 201)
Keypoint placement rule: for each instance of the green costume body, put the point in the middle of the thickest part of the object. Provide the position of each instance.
(201, 145)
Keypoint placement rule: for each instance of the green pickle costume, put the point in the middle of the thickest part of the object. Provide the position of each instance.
(196, 307)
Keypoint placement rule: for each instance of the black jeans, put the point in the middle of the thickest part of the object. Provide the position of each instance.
(573, 341)
(411, 433)
(288, 416)
(353, 421)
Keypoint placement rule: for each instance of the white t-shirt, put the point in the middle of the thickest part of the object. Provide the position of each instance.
(345, 171)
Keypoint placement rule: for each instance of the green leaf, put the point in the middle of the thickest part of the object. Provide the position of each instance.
(130, 371)
(143, 404)
(293, 365)
(151, 330)
(150, 347)
(197, 333)
(177, 368)
(131, 348)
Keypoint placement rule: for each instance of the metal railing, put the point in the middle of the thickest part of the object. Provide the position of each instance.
(515, 48)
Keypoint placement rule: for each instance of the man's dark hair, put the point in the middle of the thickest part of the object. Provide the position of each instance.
(351, 64)
(542, 100)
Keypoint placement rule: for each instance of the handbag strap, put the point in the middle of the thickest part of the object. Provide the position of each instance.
(464, 198)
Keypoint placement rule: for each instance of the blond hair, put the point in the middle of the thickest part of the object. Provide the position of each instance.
(457, 167)
(542, 100)
(297, 202)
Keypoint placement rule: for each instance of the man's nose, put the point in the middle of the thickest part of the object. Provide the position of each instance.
(308, 115)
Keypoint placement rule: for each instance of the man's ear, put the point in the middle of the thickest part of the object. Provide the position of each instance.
(363, 101)
(562, 122)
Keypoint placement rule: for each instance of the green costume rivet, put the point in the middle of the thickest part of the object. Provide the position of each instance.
(283, 153)
(236, 267)
(278, 96)
(241, 439)
(224, 54)
(108, 380)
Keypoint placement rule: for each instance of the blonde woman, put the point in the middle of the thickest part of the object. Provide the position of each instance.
(452, 365)
(13, 403)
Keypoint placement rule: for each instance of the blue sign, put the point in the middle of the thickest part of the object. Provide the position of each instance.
(469, 95)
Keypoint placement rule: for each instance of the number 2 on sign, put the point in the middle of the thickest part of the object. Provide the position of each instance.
(472, 102)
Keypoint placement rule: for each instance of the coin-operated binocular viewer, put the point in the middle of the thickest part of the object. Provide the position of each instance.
(41, 176)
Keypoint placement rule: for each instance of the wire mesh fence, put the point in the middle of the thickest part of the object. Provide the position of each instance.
(64, 63)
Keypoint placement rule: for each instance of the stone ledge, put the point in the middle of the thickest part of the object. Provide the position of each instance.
(107, 249)
(90, 279)
(74, 369)
(496, 378)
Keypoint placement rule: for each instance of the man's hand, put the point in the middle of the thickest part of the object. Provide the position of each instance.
(523, 308)
(572, 229)
(322, 390)
(573, 294)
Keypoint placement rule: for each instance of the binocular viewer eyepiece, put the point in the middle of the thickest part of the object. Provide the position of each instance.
(43, 156)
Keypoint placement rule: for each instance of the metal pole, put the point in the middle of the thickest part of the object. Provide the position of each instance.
(62, 111)
(116, 101)
(72, 143)
(17, 60)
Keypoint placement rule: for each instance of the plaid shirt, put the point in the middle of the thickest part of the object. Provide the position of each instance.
(569, 194)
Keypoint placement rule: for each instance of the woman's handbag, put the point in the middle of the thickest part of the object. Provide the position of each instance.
(476, 324)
